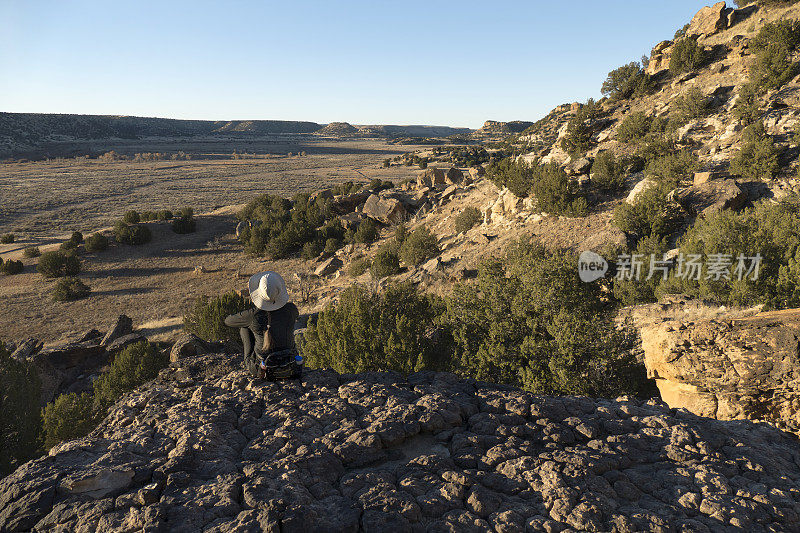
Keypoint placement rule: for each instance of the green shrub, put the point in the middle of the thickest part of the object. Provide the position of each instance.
(608, 172)
(385, 263)
(650, 215)
(8, 238)
(467, 219)
(557, 194)
(686, 56)
(673, 168)
(58, 264)
(771, 230)
(31, 251)
(312, 249)
(165, 214)
(70, 288)
(747, 108)
(133, 366)
(207, 317)
(147, 216)
(69, 417)
(529, 321)
(133, 234)
(68, 246)
(517, 176)
(20, 416)
(633, 127)
(96, 243)
(77, 237)
(627, 81)
(418, 247)
(643, 290)
(131, 217)
(387, 163)
(367, 231)
(331, 245)
(423, 163)
(186, 212)
(774, 47)
(691, 105)
(366, 331)
(578, 138)
(184, 224)
(11, 267)
(758, 156)
(359, 266)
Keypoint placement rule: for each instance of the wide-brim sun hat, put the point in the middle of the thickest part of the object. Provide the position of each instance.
(268, 291)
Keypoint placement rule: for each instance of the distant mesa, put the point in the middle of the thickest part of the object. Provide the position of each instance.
(338, 129)
(495, 127)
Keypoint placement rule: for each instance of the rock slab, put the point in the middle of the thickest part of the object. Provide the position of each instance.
(203, 448)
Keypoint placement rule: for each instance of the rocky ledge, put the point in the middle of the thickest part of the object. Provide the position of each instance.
(203, 448)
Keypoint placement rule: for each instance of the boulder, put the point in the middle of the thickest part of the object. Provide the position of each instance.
(99, 485)
(724, 363)
(477, 172)
(347, 203)
(187, 345)
(123, 342)
(577, 167)
(710, 197)
(329, 266)
(76, 354)
(454, 176)
(708, 21)
(432, 177)
(27, 348)
(448, 192)
(639, 188)
(351, 220)
(384, 210)
(123, 326)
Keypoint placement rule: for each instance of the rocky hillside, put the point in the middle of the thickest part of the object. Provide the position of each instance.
(204, 448)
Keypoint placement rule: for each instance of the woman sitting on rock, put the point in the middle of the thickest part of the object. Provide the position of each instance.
(267, 329)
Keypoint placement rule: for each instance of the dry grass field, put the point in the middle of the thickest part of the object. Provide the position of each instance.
(44, 198)
(156, 283)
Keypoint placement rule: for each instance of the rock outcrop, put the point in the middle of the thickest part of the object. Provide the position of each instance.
(723, 363)
(202, 448)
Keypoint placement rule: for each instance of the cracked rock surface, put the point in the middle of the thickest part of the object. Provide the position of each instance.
(202, 448)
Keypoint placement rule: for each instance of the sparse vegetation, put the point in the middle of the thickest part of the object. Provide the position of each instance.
(367, 231)
(578, 138)
(467, 219)
(774, 47)
(8, 238)
(557, 194)
(58, 264)
(207, 317)
(674, 167)
(70, 288)
(747, 107)
(691, 105)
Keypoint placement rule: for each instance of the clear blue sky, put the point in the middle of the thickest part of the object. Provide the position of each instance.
(364, 62)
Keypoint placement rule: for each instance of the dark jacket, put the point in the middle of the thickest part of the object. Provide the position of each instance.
(280, 323)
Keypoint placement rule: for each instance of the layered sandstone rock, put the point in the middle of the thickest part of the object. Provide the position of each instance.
(722, 363)
(202, 448)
